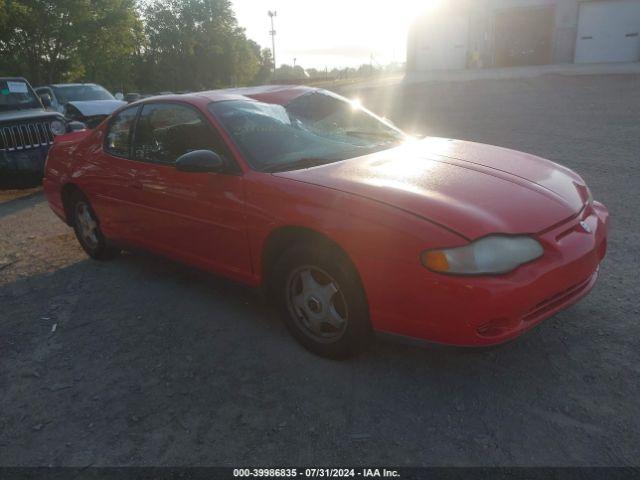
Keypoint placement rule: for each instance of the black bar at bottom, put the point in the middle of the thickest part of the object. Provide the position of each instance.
(206, 473)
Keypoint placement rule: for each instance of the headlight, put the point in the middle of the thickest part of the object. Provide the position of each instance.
(58, 127)
(489, 255)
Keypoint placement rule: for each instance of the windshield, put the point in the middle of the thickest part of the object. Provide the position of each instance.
(16, 95)
(314, 129)
(81, 93)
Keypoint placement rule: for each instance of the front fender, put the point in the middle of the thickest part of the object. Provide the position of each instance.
(361, 227)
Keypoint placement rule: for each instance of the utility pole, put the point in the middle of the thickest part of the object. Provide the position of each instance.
(273, 39)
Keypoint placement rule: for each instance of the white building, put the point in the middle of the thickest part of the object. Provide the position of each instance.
(501, 33)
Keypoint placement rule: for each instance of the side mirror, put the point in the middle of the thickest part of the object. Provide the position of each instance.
(45, 98)
(119, 96)
(200, 161)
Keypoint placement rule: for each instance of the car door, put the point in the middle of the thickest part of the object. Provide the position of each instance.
(108, 177)
(195, 217)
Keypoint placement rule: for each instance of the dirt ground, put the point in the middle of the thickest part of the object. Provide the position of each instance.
(141, 361)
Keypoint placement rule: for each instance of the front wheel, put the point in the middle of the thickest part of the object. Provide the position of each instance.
(87, 230)
(322, 301)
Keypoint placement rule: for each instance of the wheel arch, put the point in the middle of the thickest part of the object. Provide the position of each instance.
(68, 192)
(285, 237)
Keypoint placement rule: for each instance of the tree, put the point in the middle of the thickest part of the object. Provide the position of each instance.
(149, 45)
(41, 38)
(3, 14)
(114, 34)
(196, 44)
(266, 65)
(288, 73)
(52, 41)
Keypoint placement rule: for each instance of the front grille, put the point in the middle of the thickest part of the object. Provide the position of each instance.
(24, 136)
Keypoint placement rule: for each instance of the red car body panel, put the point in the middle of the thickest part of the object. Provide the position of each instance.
(463, 191)
(383, 210)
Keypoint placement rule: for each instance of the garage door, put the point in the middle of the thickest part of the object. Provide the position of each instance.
(442, 45)
(609, 31)
(523, 36)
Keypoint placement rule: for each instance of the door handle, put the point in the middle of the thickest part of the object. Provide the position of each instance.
(136, 185)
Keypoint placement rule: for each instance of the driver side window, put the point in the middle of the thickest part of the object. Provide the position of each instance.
(164, 132)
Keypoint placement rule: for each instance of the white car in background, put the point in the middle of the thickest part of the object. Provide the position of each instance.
(84, 102)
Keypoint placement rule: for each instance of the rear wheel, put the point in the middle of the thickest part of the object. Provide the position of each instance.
(87, 229)
(322, 301)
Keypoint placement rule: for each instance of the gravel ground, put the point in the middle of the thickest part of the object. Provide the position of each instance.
(141, 361)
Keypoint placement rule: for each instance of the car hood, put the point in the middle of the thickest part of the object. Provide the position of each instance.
(97, 107)
(471, 188)
(31, 114)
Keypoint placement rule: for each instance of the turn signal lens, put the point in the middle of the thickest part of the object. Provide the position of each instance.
(436, 260)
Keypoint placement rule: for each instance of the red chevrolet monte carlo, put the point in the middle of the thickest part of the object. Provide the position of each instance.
(350, 224)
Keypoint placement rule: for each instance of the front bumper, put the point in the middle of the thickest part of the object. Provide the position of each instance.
(475, 311)
(23, 163)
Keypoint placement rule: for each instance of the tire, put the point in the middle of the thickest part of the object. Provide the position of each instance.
(87, 229)
(322, 300)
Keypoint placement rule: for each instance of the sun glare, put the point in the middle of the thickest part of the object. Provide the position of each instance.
(405, 13)
(337, 33)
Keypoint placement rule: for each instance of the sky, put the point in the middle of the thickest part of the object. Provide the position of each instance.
(332, 33)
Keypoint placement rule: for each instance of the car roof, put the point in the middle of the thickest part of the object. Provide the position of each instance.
(72, 85)
(272, 93)
(278, 94)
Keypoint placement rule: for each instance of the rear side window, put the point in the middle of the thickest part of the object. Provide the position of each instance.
(118, 140)
(167, 131)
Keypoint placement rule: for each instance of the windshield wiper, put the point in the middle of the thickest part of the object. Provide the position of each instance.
(298, 164)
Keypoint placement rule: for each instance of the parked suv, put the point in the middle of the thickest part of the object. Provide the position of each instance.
(27, 131)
